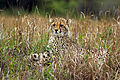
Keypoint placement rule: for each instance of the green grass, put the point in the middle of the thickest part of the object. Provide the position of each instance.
(23, 35)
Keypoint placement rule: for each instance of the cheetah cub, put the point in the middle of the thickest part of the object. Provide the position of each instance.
(59, 43)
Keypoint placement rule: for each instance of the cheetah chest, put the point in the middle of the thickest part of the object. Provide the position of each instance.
(62, 44)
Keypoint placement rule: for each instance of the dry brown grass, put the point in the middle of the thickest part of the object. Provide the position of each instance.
(20, 36)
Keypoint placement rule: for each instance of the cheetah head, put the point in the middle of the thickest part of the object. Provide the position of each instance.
(59, 26)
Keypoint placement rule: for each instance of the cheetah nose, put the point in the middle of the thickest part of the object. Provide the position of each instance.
(56, 30)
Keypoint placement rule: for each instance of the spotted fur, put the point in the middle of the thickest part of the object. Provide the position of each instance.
(59, 43)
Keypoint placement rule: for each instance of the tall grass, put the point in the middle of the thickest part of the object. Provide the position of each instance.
(24, 35)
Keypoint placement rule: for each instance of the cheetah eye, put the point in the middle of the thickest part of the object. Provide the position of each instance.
(61, 25)
(53, 24)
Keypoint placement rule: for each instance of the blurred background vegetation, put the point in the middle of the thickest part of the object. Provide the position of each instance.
(60, 7)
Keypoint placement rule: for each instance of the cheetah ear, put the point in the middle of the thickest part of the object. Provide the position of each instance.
(50, 20)
(69, 21)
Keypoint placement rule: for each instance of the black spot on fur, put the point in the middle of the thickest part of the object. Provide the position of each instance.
(46, 59)
(35, 56)
(35, 59)
(48, 55)
(43, 56)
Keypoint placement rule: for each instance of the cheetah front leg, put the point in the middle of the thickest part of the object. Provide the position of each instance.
(41, 59)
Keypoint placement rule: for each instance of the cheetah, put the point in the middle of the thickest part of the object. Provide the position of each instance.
(60, 43)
